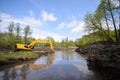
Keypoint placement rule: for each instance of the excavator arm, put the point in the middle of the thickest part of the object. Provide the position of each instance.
(32, 44)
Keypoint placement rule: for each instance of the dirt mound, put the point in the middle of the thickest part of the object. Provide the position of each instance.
(103, 56)
(100, 48)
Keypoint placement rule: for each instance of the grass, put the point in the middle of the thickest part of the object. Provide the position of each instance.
(17, 55)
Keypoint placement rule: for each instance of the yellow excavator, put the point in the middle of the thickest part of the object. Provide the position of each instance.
(31, 45)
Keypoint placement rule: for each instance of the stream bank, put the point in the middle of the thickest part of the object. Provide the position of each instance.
(8, 56)
(104, 57)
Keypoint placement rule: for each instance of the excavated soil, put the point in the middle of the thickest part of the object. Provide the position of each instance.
(104, 57)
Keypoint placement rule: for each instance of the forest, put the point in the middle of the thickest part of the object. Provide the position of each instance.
(102, 25)
(13, 36)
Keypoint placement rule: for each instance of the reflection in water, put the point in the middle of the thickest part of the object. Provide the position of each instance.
(50, 59)
(63, 65)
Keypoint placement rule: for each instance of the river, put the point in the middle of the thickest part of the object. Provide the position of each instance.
(62, 65)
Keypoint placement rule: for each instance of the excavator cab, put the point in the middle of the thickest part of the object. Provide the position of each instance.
(31, 45)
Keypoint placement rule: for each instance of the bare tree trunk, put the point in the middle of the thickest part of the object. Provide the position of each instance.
(101, 29)
(107, 23)
(113, 20)
(119, 20)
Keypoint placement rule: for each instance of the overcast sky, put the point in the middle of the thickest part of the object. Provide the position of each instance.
(55, 18)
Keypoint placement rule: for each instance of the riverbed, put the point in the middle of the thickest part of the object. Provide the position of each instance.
(62, 65)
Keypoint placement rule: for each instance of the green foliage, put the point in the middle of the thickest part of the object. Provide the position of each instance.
(65, 43)
(13, 35)
(83, 41)
(11, 29)
(92, 37)
(3, 39)
(103, 21)
(18, 29)
(27, 32)
(52, 39)
(17, 55)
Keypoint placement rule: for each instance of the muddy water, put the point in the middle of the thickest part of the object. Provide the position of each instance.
(63, 65)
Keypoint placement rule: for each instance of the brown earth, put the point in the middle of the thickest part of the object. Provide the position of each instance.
(104, 57)
(6, 49)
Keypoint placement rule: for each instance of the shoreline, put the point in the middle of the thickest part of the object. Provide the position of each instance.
(8, 56)
(21, 56)
(103, 57)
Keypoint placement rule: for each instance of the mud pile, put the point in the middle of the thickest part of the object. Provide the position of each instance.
(104, 57)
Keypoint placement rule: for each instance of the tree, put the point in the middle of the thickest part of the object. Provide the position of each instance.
(111, 8)
(3, 39)
(18, 30)
(94, 24)
(11, 37)
(119, 20)
(27, 32)
(67, 42)
(52, 39)
(105, 14)
(112, 15)
(101, 14)
(11, 29)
